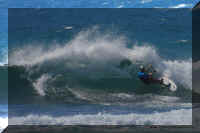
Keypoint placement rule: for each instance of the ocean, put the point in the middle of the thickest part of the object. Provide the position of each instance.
(99, 3)
(3, 71)
(79, 66)
(5, 4)
(3, 116)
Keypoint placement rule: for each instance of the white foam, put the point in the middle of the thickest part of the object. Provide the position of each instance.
(105, 3)
(179, 71)
(40, 84)
(182, 41)
(145, 1)
(120, 6)
(174, 117)
(182, 6)
(100, 50)
(3, 123)
(145, 100)
(68, 27)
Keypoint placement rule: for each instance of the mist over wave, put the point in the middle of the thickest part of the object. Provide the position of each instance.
(92, 60)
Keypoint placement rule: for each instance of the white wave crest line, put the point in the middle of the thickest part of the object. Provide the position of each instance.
(175, 117)
(182, 6)
(124, 98)
(40, 84)
(145, 1)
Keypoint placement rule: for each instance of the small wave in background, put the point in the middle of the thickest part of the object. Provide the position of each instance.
(175, 117)
(101, 3)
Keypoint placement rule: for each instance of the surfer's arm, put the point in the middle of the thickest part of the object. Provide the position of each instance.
(150, 68)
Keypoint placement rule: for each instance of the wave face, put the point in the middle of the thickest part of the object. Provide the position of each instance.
(90, 68)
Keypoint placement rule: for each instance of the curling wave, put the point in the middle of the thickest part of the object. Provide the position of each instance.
(90, 64)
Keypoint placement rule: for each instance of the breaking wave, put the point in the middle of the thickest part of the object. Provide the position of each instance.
(91, 66)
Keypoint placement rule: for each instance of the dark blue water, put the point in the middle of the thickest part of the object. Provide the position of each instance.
(168, 30)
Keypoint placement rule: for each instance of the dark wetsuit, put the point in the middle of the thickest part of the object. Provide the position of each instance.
(147, 79)
(144, 77)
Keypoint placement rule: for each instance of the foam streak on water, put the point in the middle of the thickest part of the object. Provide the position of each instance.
(174, 117)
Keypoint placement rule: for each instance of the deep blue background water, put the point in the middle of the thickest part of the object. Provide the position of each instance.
(164, 29)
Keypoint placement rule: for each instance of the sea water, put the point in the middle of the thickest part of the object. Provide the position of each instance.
(67, 76)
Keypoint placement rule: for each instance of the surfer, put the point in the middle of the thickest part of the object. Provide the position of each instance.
(147, 77)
